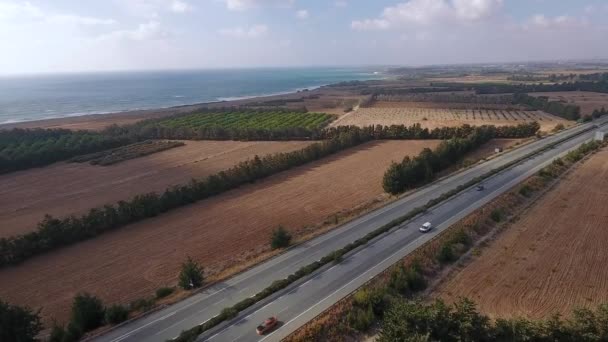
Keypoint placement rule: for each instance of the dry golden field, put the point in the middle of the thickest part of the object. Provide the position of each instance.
(219, 232)
(64, 189)
(552, 260)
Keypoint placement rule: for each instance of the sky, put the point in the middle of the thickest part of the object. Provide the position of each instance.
(42, 36)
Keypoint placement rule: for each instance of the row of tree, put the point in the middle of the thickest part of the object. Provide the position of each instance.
(421, 169)
(53, 233)
(563, 110)
(447, 98)
(462, 321)
(415, 131)
(26, 148)
(598, 87)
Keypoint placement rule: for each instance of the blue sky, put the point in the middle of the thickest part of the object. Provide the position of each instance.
(76, 35)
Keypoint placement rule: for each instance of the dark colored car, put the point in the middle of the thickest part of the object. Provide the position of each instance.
(480, 187)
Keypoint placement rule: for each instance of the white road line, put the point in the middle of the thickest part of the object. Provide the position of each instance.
(120, 338)
(340, 289)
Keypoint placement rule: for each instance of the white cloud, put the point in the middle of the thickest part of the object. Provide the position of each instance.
(178, 6)
(563, 21)
(430, 12)
(240, 5)
(25, 11)
(151, 30)
(302, 14)
(340, 3)
(240, 32)
(153, 8)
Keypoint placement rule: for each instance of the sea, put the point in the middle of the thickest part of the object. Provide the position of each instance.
(36, 97)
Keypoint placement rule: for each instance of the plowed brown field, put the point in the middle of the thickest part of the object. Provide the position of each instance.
(73, 188)
(132, 262)
(552, 260)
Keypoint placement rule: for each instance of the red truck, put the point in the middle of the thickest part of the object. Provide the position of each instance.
(268, 325)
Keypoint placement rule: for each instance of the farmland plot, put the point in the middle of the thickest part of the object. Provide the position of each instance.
(550, 261)
(64, 189)
(222, 231)
(249, 119)
(435, 117)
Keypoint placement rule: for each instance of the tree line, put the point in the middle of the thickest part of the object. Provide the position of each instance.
(416, 131)
(562, 110)
(26, 148)
(462, 321)
(53, 233)
(421, 169)
(594, 86)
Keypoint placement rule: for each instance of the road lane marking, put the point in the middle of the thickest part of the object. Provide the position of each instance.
(120, 338)
(340, 289)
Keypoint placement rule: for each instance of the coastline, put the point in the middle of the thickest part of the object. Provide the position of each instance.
(101, 120)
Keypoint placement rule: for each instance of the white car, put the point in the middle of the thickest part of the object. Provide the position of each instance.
(426, 227)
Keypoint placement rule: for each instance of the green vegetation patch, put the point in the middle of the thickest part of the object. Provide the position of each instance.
(117, 155)
(250, 119)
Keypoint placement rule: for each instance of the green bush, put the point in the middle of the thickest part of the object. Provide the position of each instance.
(415, 279)
(191, 275)
(525, 190)
(496, 215)
(143, 304)
(57, 333)
(361, 319)
(229, 313)
(164, 292)
(280, 238)
(116, 314)
(18, 323)
(446, 254)
(461, 237)
(73, 333)
(87, 312)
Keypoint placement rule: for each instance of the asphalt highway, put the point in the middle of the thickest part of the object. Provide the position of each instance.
(302, 301)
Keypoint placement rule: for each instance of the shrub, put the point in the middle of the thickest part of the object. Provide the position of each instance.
(143, 304)
(446, 254)
(462, 237)
(229, 313)
(18, 324)
(525, 190)
(73, 333)
(116, 314)
(87, 312)
(57, 333)
(164, 292)
(496, 215)
(361, 319)
(415, 279)
(558, 128)
(191, 275)
(280, 238)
